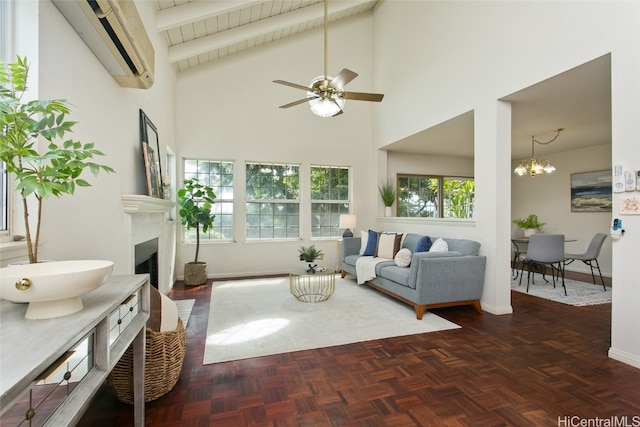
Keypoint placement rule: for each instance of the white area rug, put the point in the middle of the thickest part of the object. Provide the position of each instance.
(578, 293)
(259, 317)
(184, 309)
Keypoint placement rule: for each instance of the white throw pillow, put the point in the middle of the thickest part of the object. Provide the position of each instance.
(403, 258)
(388, 245)
(439, 246)
(364, 238)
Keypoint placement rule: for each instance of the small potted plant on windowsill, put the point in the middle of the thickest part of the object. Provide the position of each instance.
(195, 201)
(530, 224)
(388, 194)
(309, 254)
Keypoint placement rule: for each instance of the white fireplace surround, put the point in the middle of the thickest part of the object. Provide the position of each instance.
(148, 218)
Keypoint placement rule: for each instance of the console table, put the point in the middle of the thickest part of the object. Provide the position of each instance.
(51, 369)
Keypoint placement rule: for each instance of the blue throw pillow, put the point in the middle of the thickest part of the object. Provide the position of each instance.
(423, 245)
(372, 243)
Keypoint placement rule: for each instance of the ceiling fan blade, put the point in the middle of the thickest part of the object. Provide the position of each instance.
(294, 103)
(343, 77)
(361, 96)
(295, 85)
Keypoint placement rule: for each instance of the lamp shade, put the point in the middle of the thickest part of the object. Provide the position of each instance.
(347, 221)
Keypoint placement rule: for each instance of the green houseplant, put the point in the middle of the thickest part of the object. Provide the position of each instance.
(529, 223)
(39, 174)
(388, 194)
(195, 201)
(309, 254)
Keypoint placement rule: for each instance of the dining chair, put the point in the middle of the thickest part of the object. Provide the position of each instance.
(590, 256)
(543, 250)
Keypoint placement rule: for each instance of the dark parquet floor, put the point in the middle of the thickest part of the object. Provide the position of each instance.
(544, 365)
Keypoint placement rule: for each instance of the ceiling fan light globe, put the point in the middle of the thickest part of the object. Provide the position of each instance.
(520, 170)
(325, 107)
(549, 168)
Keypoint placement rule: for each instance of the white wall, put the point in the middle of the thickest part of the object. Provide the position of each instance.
(549, 197)
(90, 224)
(452, 57)
(229, 111)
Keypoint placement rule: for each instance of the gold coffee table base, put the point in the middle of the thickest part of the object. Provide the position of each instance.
(312, 287)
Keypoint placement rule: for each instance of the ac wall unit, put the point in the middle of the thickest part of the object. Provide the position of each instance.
(114, 32)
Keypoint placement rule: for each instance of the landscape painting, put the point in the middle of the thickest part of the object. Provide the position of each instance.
(591, 191)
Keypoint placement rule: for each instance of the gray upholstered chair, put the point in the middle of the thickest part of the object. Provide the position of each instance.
(543, 250)
(590, 257)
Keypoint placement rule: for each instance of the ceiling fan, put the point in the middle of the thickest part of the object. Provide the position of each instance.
(326, 95)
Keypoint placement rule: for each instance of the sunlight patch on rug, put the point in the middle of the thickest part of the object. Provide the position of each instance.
(578, 293)
(259, 317)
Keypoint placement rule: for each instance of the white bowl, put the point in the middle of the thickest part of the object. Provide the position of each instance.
(53, 289)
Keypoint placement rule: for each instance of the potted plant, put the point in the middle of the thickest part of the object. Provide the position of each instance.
(388, 194)
(529, 224)
(309, 254)
(195, 201)
(39, 174)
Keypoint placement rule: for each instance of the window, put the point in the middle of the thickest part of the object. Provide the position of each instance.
(4, 184)
(329, 199)
(273, 201)
(219, 176)
(435, 196)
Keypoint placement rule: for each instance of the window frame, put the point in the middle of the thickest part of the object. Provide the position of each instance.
(223, 207)
(441, 206)
(343, 205)
(291, 231)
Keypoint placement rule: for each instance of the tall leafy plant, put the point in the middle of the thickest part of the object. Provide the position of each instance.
(40, 174)
(195, 201)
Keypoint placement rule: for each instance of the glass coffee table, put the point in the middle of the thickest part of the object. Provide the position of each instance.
(312, 287)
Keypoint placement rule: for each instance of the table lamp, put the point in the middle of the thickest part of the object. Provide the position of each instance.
(347, 222)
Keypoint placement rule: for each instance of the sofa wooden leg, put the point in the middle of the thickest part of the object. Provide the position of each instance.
(477, 306)
(420, 309)
(343, 273)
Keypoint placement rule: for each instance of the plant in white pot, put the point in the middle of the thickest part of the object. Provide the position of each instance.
(39, 173)
(530, 224)
(388, 194)
(195, 201)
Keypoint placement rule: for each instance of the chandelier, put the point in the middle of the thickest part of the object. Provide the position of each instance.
(534, 167)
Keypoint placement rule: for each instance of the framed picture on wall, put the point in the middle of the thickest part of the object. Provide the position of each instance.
(151, 169)
(151, 150)
(591, 191)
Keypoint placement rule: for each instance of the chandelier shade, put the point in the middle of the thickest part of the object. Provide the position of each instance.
(533, 166)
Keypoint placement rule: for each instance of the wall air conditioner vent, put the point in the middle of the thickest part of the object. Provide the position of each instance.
(115, 34)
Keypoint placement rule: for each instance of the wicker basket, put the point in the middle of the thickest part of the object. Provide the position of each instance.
(163, 362)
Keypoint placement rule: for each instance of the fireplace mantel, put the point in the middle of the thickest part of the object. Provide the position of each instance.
(137, 203)
(148, 218)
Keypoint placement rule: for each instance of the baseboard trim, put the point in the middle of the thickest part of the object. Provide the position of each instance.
(624, 357)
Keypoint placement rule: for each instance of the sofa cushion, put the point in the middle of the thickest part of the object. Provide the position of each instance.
(464, 246)
(411, 240)
(403, 258)
(364, 238)
(388, 245)
(372, 244)
(439, 245)
(351, 259)
(423, 245)
(397, 274)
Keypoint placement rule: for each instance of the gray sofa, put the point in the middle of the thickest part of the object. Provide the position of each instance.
(433, 279)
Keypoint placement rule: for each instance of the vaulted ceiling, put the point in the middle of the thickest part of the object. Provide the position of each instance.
(202, 31)
(579, 100)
